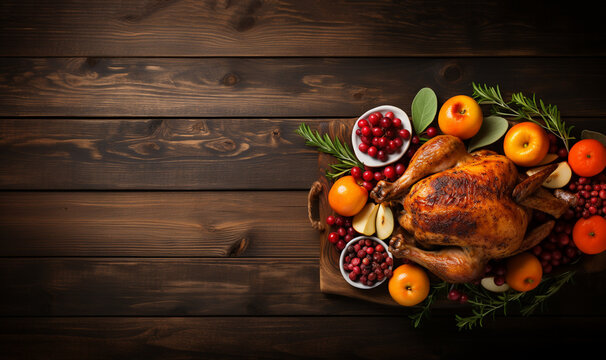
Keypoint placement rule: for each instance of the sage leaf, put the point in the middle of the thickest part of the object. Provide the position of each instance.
(424, 108)
(493, 127)
(588, 134)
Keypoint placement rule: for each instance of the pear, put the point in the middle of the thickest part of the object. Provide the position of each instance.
(488, 284)
(558, 178)
(364, 221)
(385, 222)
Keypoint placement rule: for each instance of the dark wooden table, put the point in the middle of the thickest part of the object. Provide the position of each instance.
(154, 193)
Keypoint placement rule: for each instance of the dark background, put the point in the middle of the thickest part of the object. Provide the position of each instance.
(154, 193)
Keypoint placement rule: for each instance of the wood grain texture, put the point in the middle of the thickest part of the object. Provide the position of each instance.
(280, 87)
(216, 287)
(215, 224)
(294, 338)
(297, 28)
(143, 154)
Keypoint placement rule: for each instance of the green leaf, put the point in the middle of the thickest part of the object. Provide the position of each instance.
(424, 108)
(493, 127)
(588, 134)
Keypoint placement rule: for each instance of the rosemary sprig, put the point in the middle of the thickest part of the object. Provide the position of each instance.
(522, 107)
(435, 291)
(334, 147)
(485, 303)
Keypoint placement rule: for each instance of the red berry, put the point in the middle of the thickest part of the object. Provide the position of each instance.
(368, 175)
(363, 147)
(385, 122)
(362, 123)
(389, 115)
(377, 132)
(356, 172)
(372, 151)
(341, 245)
(415, 140)
(373, 119)
(404, 134)
(367, 185)
(333, 237)
(432, 131)
(389, 172)
(330, 220)
(454, 295)
(400, 169)
(397, 123)
(366, 131)
(378, 176)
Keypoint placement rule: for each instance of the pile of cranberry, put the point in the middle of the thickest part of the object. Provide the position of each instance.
(591, 196)
(381, 135)
(367, 262)
(343, 231)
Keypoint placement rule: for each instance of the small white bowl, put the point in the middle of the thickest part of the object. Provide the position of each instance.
(391, 158)
(345, 273)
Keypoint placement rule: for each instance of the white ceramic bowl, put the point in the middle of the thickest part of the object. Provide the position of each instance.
(345, 273)
(391, 158)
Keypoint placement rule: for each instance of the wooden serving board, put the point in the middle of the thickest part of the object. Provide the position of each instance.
(331, 280)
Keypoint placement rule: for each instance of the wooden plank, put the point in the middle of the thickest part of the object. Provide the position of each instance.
(160, 286)
(215, 287)
(143, 154)
(217, 224)
(279, 87)
(166, 154)
(296, 28)
(293, 338)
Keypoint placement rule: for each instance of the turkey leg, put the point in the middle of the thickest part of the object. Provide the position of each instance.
(453, 264)
(438, 154)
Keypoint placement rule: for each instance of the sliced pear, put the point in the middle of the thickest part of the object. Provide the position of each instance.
(385, 222)
(365, 221)
(488, 284)
(548, 159)
(558, 178)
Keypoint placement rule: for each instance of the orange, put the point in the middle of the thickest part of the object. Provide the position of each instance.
(589, 235)
(409, 285)
(526, 144)
(587, 157)
(524, 272)
(346, 197)
(460, 116)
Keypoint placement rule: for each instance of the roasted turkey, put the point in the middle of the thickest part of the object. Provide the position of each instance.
(460, 210)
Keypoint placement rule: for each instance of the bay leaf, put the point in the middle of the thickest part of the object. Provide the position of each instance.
(589, 134)
(423, 109)
(493, 127)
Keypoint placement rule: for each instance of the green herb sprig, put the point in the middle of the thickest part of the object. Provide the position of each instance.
(487, 304)
(343, 153)
(522, 107)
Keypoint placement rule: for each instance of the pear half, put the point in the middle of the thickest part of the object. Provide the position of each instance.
(385, 223)
(488, 284)
(558, 178)
(365, 221)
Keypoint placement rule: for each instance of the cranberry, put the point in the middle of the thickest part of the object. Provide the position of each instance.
(385, 122)
(353, 276)
(341, 231)
(431, 131)
(374, 119)
(330, 220)
(368, 185)
(389, 172)
(366, 131)
(381, 155)
(363, 147)
(404, 134)
(454, 295)
(415, 140)
(563, 153)
(400, 168)
(362, 123)
(396, 123)
(377, 132)
(333, 237)
(372, 151)
(368, 175)
(389, 115)
(382, 142)
(341, 244)
(339, 220)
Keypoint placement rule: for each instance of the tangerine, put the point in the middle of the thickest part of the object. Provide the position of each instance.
(587, 157)
(346, 197)
(524, 272)
(589, 235)
(409, 285)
